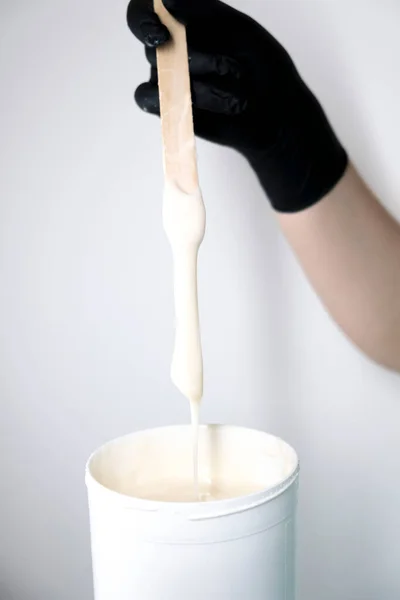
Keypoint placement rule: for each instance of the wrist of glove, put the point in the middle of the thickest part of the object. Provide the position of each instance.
(248, 95)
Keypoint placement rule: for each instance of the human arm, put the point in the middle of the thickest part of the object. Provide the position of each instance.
(349, 248)
(248, 95)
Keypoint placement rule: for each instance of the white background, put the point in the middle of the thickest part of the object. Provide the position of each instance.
(86, 323)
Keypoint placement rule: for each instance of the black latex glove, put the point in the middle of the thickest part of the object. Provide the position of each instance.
(248, 95)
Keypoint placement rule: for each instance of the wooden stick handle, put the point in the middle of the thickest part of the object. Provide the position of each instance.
(180, 162)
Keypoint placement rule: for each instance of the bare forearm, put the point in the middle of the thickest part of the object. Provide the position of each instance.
(349, 247)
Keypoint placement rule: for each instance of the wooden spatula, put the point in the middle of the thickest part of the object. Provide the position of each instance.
(180, 163)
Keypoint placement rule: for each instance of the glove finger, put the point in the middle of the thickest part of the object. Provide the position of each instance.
(145, 24)
(147, 96)
(218, 97)
(201, 63)
(187, 10)
(206, 96)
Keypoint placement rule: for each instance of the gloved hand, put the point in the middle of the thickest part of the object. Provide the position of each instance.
(248, 95)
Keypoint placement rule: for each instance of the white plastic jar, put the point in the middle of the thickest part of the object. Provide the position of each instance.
(241, 548)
